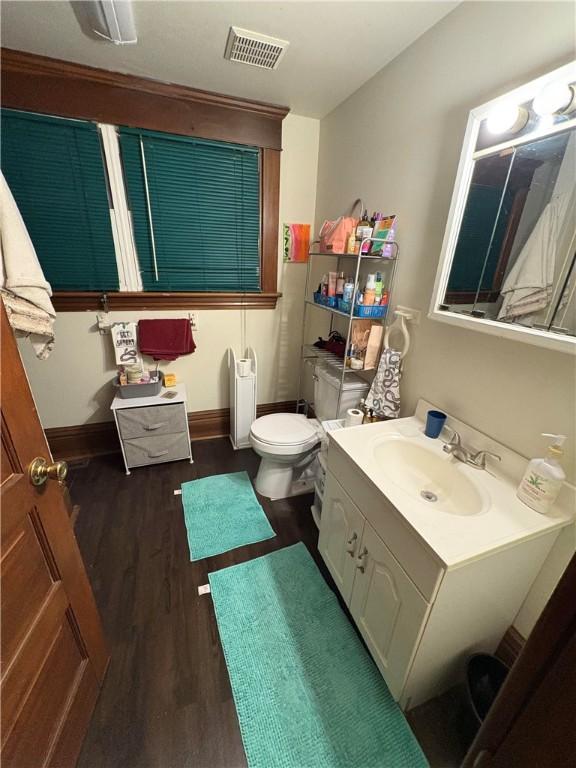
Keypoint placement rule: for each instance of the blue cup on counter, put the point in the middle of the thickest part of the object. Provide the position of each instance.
(435, 420)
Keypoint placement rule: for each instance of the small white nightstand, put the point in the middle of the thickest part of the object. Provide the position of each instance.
(153, 430)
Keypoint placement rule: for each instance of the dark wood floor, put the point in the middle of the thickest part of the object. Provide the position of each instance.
(166, 700)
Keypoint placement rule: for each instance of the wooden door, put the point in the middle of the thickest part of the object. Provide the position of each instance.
(52, 648)
(388, 609)
(341, 528)
(533, 720)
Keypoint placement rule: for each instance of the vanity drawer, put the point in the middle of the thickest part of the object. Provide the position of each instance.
(153, 450)
(152, 420)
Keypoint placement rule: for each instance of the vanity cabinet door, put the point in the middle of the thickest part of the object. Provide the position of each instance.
(341, 529)
(388, 609)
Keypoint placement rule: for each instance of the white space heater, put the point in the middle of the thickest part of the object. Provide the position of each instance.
(242, 397)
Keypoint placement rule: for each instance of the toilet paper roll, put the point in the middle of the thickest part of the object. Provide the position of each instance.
(244, 367)
(353, 417)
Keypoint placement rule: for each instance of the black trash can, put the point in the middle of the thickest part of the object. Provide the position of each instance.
(485, 675)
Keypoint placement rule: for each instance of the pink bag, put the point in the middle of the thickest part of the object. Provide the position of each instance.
(334, 234)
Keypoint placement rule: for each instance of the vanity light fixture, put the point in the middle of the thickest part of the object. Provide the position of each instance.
(507, 118)
(555, 99)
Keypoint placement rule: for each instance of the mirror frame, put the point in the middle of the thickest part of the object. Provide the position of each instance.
(541, 338)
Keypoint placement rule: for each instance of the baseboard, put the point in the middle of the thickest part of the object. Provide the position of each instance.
(83, 441)
(510, 646)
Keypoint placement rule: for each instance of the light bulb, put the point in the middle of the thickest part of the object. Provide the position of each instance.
(506, 118)
(553, 98)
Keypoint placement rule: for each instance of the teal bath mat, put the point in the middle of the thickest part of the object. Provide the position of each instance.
(307, 694)
(222, 512)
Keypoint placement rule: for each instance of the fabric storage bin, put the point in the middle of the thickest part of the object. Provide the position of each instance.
(153, 450)
(149, 421)
(130, 391)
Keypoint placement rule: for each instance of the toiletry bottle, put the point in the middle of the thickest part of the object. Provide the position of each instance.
(324, 285)
(332, 278)
(362, 227)
(543, 478)
(378, 287)
(370, 290)
(351, 243)
(348, 289)
(367, 230)
(340, 285)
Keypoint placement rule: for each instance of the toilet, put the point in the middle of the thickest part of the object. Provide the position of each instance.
(288, 443)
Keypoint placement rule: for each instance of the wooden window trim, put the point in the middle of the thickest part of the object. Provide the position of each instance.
(51, 86)
(76, 301)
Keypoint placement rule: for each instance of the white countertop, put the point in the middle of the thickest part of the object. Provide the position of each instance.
(454, 538)
(141, 402)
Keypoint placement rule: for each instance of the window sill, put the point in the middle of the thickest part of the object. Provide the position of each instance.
(77, 301)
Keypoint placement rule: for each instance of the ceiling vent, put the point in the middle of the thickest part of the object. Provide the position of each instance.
(253, 48)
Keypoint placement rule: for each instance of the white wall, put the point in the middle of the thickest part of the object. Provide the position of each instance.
(396, 143)
(73, 385)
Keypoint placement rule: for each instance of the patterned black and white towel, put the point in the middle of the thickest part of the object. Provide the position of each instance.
(384, 395)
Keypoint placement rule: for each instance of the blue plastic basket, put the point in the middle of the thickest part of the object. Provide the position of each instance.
(360, 310)
(378, 310)
(325, 301)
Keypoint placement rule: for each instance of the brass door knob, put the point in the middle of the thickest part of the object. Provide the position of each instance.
(39, 471)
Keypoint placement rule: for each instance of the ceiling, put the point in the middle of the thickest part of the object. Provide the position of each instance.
(334, 46)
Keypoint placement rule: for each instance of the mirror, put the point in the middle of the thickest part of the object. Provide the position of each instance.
(508, 264)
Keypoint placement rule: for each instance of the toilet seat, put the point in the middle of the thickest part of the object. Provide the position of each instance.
(284, 433)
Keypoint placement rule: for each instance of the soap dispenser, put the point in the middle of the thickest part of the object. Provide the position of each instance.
(543, 477)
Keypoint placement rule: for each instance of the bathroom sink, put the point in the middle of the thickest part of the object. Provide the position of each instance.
(435, 479)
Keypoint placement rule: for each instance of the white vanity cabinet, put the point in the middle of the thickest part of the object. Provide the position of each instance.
(385, 604)
(342, 527)
(387, 608)
(419, 618)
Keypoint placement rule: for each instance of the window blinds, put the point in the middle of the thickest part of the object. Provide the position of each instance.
(55, 170)
(195, 208)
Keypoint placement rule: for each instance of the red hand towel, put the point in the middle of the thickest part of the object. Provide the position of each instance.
(165, 339)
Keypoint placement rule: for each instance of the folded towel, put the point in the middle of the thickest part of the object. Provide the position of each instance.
(384, 395)
(165, 339)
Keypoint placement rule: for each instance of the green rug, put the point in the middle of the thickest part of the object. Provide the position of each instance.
(307, 693)
(222, 512)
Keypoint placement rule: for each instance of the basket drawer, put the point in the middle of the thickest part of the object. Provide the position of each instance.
(153, 420)
(153, 450)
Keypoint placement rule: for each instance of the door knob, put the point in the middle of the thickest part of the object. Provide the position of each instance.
(39, 471)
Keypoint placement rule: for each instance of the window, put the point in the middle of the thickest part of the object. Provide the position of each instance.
(55, 172)
(138, 212)
(195, 208)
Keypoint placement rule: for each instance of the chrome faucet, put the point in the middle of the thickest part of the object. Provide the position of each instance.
(476, 460)
(456, 449)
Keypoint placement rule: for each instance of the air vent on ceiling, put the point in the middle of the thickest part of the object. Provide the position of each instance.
(253, 48)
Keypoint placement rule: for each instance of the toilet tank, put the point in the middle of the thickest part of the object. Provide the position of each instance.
(326, 386)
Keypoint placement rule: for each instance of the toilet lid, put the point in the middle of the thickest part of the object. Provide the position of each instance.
(283, 429)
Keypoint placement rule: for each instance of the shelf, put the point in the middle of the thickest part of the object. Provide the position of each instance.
(335, 311)
(310, 352)
(371, 256)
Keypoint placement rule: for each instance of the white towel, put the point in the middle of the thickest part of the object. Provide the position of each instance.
(528, 286)
(384, 395)
(25, 292)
